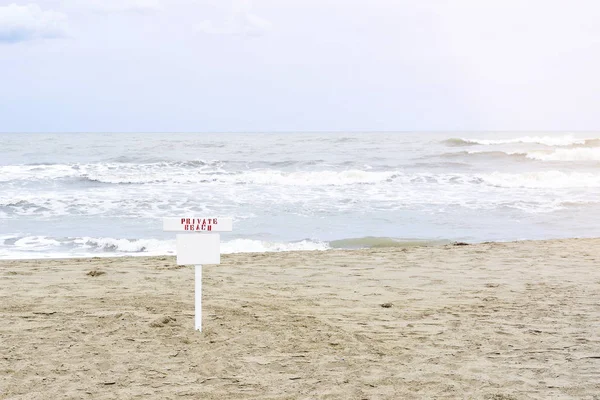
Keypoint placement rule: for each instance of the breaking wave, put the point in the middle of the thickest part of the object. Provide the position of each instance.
(261, 177)
(152, 246)
(567, 140)
(485, 155)
(574, 154)
(560, 154)
(15, 247)
(307, 194)
(182, 173)
(106, 172)
(261, 246)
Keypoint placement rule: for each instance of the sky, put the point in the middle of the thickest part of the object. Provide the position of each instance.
(291, 65)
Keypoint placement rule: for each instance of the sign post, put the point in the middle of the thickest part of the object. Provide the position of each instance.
(199, 243)
(198, 298)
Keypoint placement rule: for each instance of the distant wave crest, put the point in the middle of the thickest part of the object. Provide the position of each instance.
(566, 140)
(485, 155)
(560, 154)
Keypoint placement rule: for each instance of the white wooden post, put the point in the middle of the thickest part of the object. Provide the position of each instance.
(198, 295)
(200, 244)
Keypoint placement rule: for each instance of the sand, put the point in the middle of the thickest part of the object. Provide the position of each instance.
(489, 321)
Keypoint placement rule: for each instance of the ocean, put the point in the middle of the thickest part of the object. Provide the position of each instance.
(89, 195)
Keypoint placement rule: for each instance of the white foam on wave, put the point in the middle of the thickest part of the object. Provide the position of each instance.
(559, 154)
(565, 140)
(47, 247)
(258, 177)
(35, 172)
(260, 246)
(397, 190)
(543, 180)
(575, 154)
(181, 173)
(17, 247)
(36, 243)
(116, 173)
(148, 246)
(310, 178)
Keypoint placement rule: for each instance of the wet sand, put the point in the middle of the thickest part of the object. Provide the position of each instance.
(489, 321)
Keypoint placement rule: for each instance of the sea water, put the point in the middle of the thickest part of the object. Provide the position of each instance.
(82, 194)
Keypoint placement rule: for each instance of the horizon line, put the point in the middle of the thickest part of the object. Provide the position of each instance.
(307, 131)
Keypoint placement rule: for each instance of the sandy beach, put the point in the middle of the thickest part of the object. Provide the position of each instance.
(488, 321)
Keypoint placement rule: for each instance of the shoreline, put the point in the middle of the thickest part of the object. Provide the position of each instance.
(501, 320)
(401, 244)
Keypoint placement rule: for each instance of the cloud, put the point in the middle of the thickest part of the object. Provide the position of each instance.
(241, 21)
(127, 6)
(30, 22)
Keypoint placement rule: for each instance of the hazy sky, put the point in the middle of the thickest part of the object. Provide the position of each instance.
(266, 65)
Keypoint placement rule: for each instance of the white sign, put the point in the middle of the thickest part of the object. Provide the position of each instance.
(197, 245)
(186, 224)
(198, 249)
